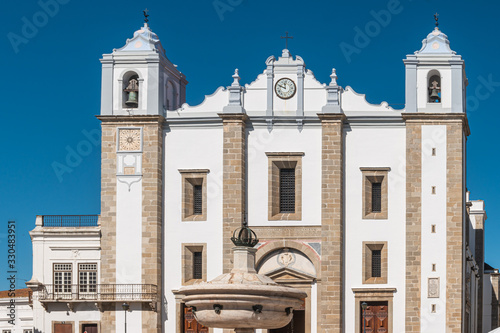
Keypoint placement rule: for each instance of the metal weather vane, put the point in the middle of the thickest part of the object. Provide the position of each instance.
(145, 12)
(436, 18)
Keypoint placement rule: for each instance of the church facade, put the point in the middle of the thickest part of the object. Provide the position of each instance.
(362, 206)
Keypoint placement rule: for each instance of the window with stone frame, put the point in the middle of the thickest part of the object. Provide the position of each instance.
(194, 263)
(62, 277)
(194, 194)
(375, 193)
(87, 278)
(285, 185)
(375, 262)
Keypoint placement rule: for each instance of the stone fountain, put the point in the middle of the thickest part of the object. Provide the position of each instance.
(242, 299)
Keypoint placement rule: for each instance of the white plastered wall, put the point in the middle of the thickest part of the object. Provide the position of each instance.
(284, 139)
(433, 212)
(375, 146)
(191, 147)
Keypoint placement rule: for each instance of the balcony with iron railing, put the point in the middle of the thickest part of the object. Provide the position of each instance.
(98, 294)
(68, 221)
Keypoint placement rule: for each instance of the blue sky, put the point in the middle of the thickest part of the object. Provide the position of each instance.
(51, 80)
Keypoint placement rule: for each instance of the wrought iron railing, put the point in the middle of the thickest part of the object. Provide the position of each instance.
(70, 220)
(98, 292)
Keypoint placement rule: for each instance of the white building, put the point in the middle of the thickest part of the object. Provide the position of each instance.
(16, 313)
(368, 201)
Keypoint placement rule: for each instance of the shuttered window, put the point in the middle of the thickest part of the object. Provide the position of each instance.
(287, 190)
(376, 197)
(197, 200)
(197, 265)
(376, 263)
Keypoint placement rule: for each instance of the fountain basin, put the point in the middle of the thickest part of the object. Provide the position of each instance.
(238, 302)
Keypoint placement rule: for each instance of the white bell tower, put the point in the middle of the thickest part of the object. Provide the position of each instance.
(139, 84)
(435, 77)
(139, 79)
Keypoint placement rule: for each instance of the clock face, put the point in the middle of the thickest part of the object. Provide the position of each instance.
(285, 88)
(130, 139)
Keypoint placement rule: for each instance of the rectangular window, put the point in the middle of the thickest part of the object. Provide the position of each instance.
(87, 278)
(62, 278)
(197, 200)
(287, 190)
(376, 263)
(284, 186)
(376, 197)
(197, 265)
(194, 263)
(194, 194)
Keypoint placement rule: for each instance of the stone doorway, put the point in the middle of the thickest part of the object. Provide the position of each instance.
(89, 328)
(293, 268)
(297, 325)
(375, 319)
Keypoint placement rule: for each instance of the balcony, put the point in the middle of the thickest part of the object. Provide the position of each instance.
(70, 221)
(98, 294)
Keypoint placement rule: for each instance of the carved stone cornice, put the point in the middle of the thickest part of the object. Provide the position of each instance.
(438, 119)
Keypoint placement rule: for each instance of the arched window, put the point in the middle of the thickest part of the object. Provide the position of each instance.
(434, 87)
(171, 96)
(130, 90)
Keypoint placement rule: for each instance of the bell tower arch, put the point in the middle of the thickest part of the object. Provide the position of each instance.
(435, 77)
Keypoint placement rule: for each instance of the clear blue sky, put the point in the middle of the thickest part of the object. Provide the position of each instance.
(51, 80)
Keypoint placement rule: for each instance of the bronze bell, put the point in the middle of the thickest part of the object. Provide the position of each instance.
(434, 95)
(132, 89)
(132, 99)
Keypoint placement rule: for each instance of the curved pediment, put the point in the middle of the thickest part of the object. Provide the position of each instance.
(285, 262)
(352, 101)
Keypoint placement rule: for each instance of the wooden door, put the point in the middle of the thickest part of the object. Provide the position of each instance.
(63, 328)
(190, 323)
(89, 328)
(375, 318)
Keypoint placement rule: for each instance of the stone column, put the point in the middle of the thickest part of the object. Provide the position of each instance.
(330, 292)
(152, 212)
(233, 183)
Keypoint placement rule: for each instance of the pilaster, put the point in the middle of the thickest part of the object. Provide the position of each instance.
(331, 293)
(233, 183)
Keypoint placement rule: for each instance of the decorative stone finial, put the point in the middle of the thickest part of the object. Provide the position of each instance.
(236, 77)
(333, 76)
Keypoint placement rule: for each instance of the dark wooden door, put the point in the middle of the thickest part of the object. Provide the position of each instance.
(296, 325)
(89, 328)
(375, 318)
(63, 328)
(190, 323)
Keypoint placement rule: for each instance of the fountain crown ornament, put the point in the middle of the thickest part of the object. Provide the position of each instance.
(244, 236)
